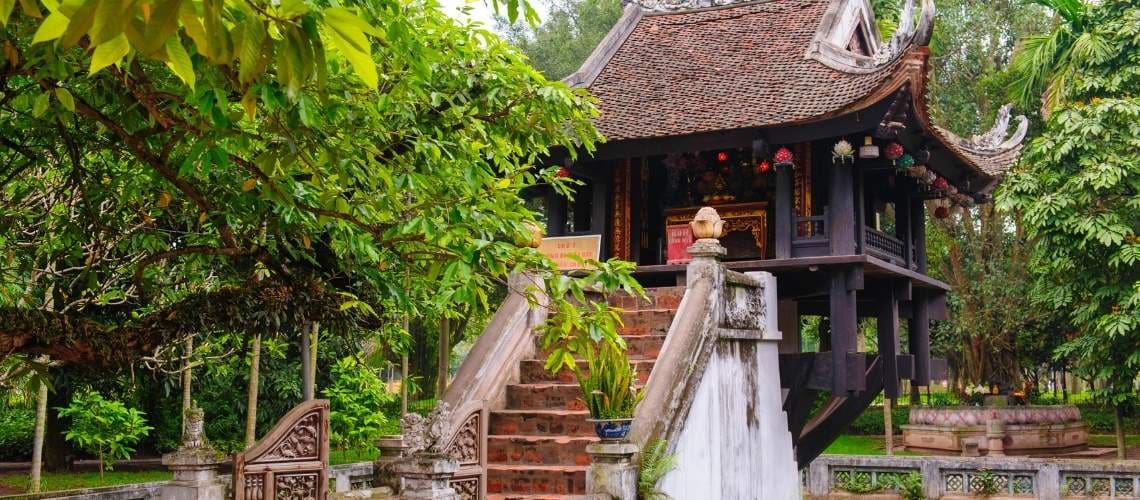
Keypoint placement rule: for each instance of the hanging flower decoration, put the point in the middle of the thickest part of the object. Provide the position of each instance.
(563, 172)
(917, 171)
(941, 212)
(894, 151)
(722, 157)
(952, 190)
(783, 157)
(941, 183)
(905, 162)
(843, 153)
(763, 167)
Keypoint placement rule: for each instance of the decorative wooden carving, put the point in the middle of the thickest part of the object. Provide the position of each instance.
(802, 181)
(620, 247)
(751, 217)
(291, 462)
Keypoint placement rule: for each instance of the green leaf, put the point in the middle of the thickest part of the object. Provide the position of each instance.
(179, 61)
(253, 36)
(52, 28)
(361, 61)
(6, 7)
(109, 21)
(162, 24)
(109, 53)
(41, 105)
(65, 99)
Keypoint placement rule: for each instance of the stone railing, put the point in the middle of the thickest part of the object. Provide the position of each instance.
(979, 415)
(1006, 477)
(355, 477)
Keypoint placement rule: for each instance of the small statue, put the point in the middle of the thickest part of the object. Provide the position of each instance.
(193, 424)
(427, 434)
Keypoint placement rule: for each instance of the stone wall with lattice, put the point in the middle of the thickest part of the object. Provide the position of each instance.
(992, 477)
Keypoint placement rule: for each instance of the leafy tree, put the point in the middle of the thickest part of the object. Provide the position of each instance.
(357, 397)
(1079, 195)
(571, 31)
(107, 429)
(1046, 63)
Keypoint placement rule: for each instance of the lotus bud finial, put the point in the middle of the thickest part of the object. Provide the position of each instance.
(707, 224)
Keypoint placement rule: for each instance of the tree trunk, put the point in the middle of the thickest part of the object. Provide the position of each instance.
(101, 466)
(1118, 413)
(443, 369)
(306, 381)
(888, 427)
(57, 450)
(187, 379)
(314, 335)
(251, 399)
(1064, 386)
(404, 385)
(38, 440)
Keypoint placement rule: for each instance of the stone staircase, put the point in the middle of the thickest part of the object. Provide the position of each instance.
(536, 446)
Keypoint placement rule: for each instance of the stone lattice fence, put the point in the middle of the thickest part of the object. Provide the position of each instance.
(956, 477)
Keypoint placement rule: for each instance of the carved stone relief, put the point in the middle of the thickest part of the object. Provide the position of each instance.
(464, 446)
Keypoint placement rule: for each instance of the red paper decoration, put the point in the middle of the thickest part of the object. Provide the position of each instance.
(941, 183)
(722, 157)
(894, 151)
(941, 212)
(763, 167)
(783, 156)
(563, 172)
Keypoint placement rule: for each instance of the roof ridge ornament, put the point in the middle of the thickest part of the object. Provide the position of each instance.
(997, 139)
(830, 48)
(907, 32)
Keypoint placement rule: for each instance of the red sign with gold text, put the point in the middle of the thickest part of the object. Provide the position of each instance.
(561, 248)
(679, 238)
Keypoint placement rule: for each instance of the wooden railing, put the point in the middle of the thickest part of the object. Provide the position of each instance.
(884, 246)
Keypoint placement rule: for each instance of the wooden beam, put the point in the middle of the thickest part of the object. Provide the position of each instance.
(920, 338)
(844, 328)
(841, 212)
(821, 432)
(937, 306)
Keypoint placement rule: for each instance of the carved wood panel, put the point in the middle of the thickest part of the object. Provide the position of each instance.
(291, 462)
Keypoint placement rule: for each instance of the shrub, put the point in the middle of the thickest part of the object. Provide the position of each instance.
(357, 398)
(655, 464)
(107, 429)
(17, 429)
(870, 422)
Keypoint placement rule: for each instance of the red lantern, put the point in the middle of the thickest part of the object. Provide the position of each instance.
(941, 212)
(783, 156)
(563, 172)
(894, 151)
(763, 167)
(941, 183)
(722, 157)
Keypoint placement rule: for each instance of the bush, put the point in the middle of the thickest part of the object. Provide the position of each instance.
(356, 396)
(870, 423)
(105, 428)
(17, 430)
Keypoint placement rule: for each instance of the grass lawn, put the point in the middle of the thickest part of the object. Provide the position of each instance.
(862, 445)
(55, 481)
(1109, 440)
(337, 457)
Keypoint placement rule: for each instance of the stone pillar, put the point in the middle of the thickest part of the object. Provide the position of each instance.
(195, 465)
(428, 476)
(392, 449)
(612, 473)
(995, 435)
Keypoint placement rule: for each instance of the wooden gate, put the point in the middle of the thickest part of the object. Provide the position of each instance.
(291, 462)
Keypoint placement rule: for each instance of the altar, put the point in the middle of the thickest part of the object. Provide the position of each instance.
(745, 231)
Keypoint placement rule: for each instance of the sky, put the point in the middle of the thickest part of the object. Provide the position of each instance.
(482, 11)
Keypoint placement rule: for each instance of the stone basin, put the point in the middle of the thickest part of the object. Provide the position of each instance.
(1028, 429)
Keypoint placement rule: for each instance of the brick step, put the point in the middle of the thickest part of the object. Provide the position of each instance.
(636, 346)
(648, 322)
(541, 422)
(536, 479)
(538, 450)
(531, 371)
(548, 396)
(657, 298)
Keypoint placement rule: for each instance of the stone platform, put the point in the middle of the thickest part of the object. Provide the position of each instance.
(1028, 430)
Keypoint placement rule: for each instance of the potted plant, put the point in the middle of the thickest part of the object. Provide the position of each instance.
(608, 390)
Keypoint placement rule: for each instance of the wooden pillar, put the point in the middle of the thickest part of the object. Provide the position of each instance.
(789, 323)
(918, 233)
(902, 223)
(844, 326)
(862, 214)
(920, 338)
(785, 219)
(888, 325)
(841, 213)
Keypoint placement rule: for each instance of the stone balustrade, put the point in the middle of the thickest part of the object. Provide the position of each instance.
(979, 415)
(1023, 429)
(946, 477)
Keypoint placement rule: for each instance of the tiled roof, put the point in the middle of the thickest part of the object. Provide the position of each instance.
(994, 164)
(723, 68)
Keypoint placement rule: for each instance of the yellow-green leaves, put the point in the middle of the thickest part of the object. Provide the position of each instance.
(179, 61)
(52, 28)
(253, 36)
(6, 7)
(109, 53)
(65, 98)
(347, 32)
